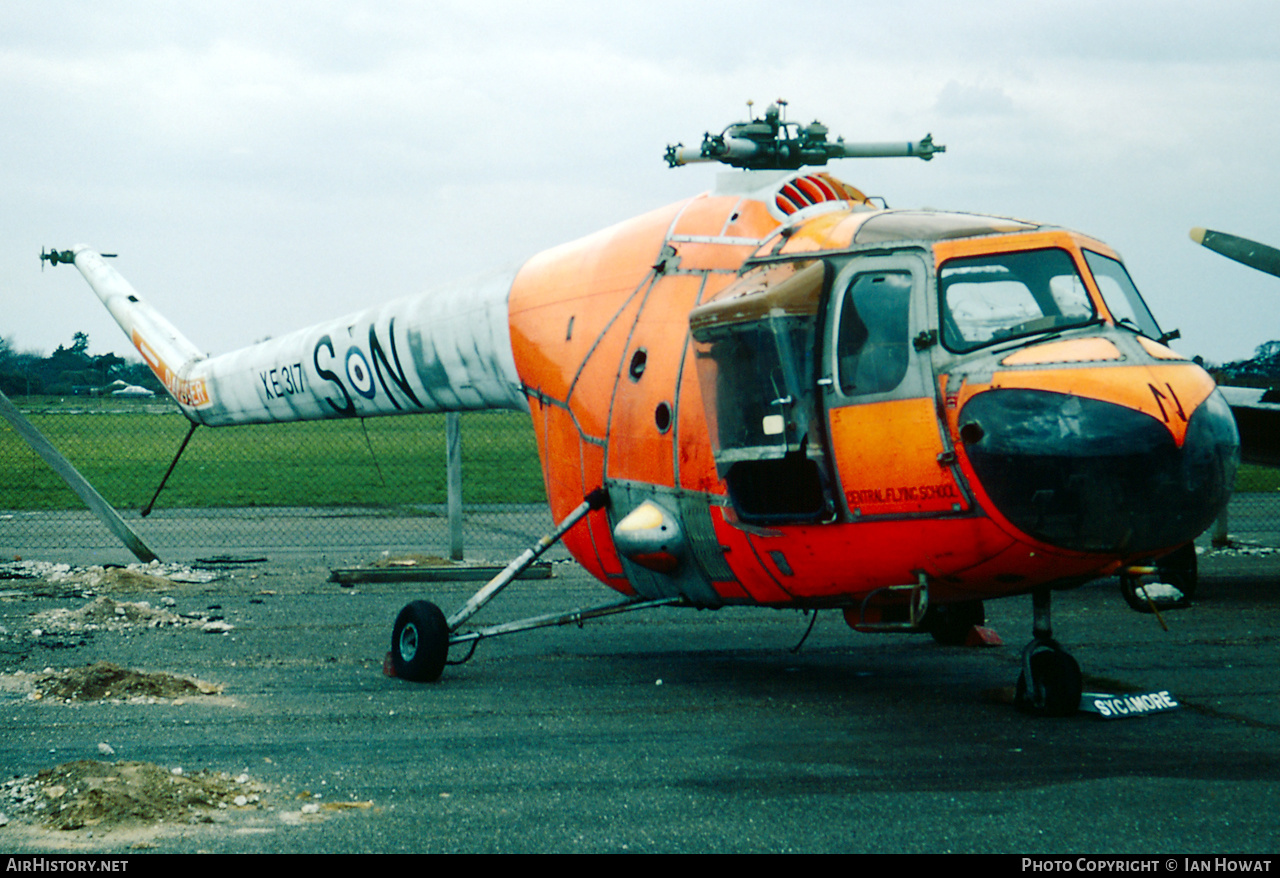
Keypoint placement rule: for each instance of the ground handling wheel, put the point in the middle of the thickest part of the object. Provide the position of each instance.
(1179, 569)
(420, 642)
(1055, 685)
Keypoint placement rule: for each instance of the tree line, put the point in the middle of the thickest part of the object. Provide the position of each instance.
(1260, 370)
(68, 370)
(71, 370)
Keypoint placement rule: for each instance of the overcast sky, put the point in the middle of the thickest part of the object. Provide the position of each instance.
(262, 166)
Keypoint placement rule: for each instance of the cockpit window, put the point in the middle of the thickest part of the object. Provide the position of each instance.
(987, 299)
(1121, 296)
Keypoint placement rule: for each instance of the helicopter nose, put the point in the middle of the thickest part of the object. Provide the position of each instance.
(1096, 476)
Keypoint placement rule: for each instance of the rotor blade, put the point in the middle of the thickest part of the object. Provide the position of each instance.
(1251, 253)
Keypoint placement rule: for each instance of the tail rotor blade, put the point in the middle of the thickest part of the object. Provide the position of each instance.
(1242, 250)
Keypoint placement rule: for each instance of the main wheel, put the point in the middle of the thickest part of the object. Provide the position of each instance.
(1055, 687)
(420, 642)
(1179, 568)
(950, 623)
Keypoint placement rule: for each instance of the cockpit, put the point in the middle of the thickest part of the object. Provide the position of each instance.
(836, 382)
(1001, 296)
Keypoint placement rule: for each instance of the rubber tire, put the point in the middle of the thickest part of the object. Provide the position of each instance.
(949, 624)
(1179, 568)
(1129, 586)
(1060, 675)
(420, 642)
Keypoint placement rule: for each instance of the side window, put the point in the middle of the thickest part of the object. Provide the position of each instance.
(1122, 297)
(872, 347)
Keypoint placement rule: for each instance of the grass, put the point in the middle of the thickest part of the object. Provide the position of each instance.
(123, 450)
(1257, 479)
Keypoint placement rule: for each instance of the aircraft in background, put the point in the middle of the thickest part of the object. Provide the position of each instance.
(779, 393)
(1256, 409)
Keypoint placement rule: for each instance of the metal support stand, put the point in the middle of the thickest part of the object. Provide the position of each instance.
(1041, 614)
(146, 510)
(573, 617)
(595, 500)
(78, 483)
(421, 636)
(916, 608)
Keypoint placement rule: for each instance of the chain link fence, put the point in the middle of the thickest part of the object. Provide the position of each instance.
(351, 489)
(348, 487)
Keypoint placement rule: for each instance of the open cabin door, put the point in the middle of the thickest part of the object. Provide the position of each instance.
(757, 359)
(890, 451)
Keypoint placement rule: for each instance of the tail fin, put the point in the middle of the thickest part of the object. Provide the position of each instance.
(168, 352)
(449, 350)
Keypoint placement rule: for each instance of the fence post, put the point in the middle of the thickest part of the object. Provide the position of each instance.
(453, 470)
(1221, 536)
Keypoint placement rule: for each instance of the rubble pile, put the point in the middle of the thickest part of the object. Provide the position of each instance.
(154, 576)
(87, 793)
(105, 680)
(105, 614)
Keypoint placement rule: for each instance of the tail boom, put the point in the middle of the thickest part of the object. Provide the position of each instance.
(449, 350)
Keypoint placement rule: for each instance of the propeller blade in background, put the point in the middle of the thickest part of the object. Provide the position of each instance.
(1250, 253)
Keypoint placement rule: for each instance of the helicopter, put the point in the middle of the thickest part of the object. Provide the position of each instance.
(780, 393)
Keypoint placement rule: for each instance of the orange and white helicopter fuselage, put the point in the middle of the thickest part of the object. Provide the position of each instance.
(789, 396)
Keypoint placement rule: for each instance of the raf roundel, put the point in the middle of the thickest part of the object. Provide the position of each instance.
(359, 373)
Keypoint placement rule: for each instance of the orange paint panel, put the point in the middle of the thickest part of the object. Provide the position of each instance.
(560, 446)
(843, 563)
(1157, 350)
(573, 468)
(705, 215)
(1008, 566)
(1167, 393)
(887, 457)
(815, 234)
(752, 220)
(745, 564)
(696, 466)
(578, 281)
(659, 334)
(1079, 350)
(696, 256)
(943, 250)
(593, 386)
(189, 393)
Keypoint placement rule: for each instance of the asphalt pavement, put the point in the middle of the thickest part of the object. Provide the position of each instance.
(672, 730)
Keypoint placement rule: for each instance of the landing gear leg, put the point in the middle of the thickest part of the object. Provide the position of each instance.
(422, 635)
(1050, 682)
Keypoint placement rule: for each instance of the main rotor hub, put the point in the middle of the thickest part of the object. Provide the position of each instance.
(772, 143)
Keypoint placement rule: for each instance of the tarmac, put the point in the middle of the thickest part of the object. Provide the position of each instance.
(668, 730)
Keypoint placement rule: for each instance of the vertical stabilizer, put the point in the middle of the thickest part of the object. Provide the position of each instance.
(168, 352)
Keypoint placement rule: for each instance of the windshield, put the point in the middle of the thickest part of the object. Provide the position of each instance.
(986, 299)
(1121, 296)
